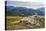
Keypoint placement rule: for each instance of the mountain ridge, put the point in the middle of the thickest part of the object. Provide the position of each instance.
(12, 11)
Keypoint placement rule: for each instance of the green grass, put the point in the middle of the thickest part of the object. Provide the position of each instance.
(12, 20)
(15, 19)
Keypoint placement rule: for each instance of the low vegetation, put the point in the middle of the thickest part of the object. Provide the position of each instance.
(14, 22)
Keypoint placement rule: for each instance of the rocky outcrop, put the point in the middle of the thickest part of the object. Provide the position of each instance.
(31, 19)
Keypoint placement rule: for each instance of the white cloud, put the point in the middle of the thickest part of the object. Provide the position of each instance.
(27, 0)
(17, 0)
(25, 4)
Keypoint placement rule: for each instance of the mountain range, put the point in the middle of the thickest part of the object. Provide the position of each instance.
(23, 11)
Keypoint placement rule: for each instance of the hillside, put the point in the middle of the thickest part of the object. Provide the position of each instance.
(23, 11)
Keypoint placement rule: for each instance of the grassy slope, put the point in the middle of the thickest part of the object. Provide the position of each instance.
(13, 23)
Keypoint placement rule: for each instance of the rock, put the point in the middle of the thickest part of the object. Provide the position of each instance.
(33, 20)
(38, 24)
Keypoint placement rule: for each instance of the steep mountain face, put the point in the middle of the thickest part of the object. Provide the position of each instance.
(23, 11)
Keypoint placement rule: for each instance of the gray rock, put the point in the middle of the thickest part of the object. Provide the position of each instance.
(31, 19)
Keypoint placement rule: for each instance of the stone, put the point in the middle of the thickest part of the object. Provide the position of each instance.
(33, 20)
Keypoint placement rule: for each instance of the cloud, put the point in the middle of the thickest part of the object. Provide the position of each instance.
(27, 0)
(25, 4)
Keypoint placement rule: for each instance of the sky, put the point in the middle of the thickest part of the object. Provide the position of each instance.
(25, 3)
(27, 0)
